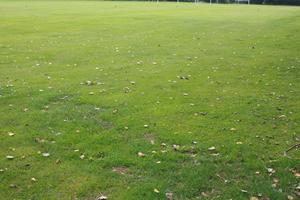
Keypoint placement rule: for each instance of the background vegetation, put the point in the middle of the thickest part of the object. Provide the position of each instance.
(265, 2)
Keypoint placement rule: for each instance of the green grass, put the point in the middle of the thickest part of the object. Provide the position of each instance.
(243, 68)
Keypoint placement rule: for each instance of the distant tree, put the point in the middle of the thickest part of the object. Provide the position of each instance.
(270, 2)
(273, 2)
(282, 2)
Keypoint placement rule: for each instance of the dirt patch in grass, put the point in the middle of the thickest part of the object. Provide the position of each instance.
(120, 169)
(149, 137)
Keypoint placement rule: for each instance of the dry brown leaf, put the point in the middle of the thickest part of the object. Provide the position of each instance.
(290, 197)
(297, 191)
(140, 154)
(212, 148)
(169, 195)
(176, 147)
(102, 197)
(204, 194)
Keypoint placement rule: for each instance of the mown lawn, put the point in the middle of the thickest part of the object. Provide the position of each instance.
(133, 100)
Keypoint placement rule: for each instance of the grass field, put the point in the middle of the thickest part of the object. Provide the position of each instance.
(133, 100)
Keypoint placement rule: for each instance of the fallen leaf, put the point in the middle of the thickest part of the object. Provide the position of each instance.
(297, 191)
(176, 147)
(102, 197)
(140, 154)
(89, 82)
(290, 197)
(204, 194)
(169, 195)
(294, 171)
(163, 145)
(11, 134)
(9, 157)
(275, 180)
(46, 154)
(271, 171)
(212, 148)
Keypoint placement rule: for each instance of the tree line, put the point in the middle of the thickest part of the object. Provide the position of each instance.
(267, 2)
(272, 2)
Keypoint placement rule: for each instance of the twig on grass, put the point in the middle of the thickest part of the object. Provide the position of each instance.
(295, 146)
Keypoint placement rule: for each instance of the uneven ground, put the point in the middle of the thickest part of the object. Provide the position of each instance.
(86, 85)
